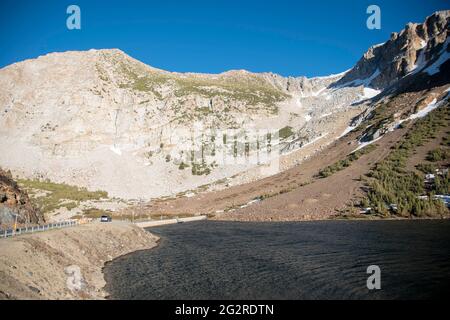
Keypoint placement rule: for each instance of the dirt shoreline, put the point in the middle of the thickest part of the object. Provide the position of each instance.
(66, 263)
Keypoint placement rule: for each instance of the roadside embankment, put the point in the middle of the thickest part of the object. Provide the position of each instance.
(66, 263)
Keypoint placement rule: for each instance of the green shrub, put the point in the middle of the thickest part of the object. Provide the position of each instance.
(438, 155)
(182, 166)
(200, 169)
(426, 167)
(442, 184)
(285, 132)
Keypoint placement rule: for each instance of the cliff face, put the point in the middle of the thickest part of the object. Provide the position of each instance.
(14, 201)
(412, 50)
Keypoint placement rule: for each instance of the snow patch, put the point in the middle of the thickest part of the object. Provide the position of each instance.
(349, 129)
(250, 203)
(326, 115)
(116, 150)
(365, 82)
(333, 75)
(365, 144)
(370, 93)
(378, 45)
(435, 67)
(420, 61)
(298, 102)
(318, 92)
(422, 113)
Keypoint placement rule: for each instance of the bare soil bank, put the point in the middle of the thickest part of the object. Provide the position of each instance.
(45, 265)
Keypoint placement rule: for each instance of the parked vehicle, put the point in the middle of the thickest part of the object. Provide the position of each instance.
(365, 210)
(393, 207)
(105, 219)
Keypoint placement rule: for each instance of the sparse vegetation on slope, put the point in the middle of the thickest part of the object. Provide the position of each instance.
(396, 190)
(439, 154)
(250, 89)
(342, 164)
(49, 196)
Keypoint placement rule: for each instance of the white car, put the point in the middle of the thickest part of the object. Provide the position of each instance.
(105, 219)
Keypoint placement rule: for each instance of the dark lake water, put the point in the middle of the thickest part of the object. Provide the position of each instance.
(304, 260)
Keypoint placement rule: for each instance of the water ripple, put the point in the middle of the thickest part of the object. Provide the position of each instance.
(310, 260)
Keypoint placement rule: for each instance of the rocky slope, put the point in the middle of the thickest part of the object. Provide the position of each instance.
(14, 201)
(103, 120)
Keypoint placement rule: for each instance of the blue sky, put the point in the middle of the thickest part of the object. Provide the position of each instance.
(310, 38)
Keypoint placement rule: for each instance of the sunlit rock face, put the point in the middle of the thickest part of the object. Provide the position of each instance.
(15, 205)
(415, 47)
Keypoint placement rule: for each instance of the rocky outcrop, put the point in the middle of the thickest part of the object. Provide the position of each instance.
(14, 201)
(413, 49)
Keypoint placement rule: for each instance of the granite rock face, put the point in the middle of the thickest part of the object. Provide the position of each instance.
(14, 201)
(415, 47)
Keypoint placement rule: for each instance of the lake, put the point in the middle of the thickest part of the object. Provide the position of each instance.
(293, 260)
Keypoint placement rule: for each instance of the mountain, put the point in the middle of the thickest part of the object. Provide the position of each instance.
(102, 120)
(68, 112)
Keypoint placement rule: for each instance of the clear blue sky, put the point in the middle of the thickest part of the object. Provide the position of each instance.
(310, 38)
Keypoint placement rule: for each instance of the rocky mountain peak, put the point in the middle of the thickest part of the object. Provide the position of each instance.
(417, 45)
